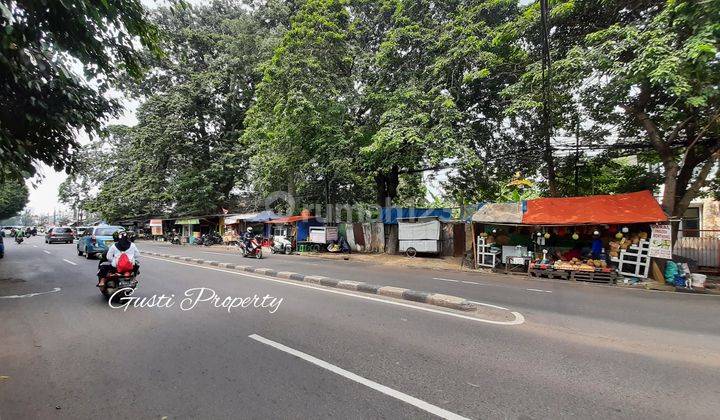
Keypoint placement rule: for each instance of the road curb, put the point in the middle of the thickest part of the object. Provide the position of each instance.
(436, 299)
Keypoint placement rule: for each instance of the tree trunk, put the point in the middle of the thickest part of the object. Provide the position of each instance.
(669, 199)
(387, 184)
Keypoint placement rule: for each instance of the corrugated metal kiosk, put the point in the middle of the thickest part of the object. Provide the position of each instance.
(419, 234)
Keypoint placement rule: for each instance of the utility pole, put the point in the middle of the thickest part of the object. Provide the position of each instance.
(546, 98)
(577, 155)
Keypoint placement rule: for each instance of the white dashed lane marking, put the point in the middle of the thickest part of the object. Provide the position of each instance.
(449, 280)
(538, 290)
(423, 405)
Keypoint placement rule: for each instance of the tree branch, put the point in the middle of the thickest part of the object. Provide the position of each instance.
(699, 182)
(698, 137)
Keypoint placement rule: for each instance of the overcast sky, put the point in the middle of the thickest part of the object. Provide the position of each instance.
(44, 199)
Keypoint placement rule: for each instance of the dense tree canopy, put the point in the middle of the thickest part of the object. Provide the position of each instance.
(183, 156)
(13, 197)
(44, 100)
(361, 100)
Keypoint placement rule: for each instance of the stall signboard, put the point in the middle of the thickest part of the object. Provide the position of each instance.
(661, 241)
(156, 227)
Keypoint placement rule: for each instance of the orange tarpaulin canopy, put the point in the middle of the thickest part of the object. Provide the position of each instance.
(637, 207)
(292, 219)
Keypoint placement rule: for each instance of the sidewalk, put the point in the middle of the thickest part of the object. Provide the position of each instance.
(454, 264)
(433, 263)
(451, 263)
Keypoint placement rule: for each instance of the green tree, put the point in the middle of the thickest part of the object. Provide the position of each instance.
(43, 101)
(13, 197)
(660, 76)
(477, 58)
(407, 122)
(183, 155)
(298, 129)
(641, 79)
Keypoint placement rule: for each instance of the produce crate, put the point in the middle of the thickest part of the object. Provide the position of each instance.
(536, 271)
(594, 276)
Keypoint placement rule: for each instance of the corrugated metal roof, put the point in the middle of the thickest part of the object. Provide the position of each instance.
(500, 213)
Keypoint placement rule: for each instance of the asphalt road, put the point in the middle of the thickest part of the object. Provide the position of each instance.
(66, 354)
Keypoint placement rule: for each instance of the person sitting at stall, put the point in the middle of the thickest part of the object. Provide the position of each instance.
(575, 252)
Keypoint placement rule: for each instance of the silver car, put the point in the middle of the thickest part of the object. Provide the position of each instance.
(59, 234)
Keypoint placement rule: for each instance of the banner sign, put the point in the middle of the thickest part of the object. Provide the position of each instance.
(661, 241)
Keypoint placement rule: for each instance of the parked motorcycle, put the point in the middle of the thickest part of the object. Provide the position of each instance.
(211, 238)
(281, 245)
(255, 248)
(174, 239)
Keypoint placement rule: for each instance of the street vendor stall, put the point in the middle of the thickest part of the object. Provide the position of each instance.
(491, 224)
(296, 229)
(596, 238)
(237, 224)
(156, 226)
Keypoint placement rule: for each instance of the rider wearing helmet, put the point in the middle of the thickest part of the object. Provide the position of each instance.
(108, 263)
(247, 238)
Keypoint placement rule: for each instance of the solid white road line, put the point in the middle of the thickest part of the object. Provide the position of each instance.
(69, 262)
(450, 280)
(489, 305)
(472, 282)
(221, 253)
(519, 319)
(538, 290)
(425, 406)
(47, 252)
(57, 289)
(34, 246)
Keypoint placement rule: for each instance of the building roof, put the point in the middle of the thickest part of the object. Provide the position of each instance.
(292, 219)
(637, 207)
(500, 213)
(390, 215)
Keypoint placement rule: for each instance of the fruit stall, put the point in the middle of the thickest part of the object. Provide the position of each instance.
(608, 235)
(597, 238)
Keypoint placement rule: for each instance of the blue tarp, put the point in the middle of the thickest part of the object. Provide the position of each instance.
(389, 215)
(303, 229)
(262, 217)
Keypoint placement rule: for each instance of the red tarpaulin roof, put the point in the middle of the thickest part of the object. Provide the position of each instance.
(637, 207)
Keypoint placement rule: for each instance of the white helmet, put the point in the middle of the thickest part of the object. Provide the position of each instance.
(249, 230)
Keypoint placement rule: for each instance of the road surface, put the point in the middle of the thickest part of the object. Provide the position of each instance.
(583, 351)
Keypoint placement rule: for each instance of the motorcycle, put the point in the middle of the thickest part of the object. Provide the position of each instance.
(255, 248)
(119, 285)
(211, 238)
(19, 239)
(174, 239)
(281, 245)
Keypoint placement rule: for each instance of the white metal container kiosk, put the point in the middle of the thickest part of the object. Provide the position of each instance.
(323, 234)
(419, 234)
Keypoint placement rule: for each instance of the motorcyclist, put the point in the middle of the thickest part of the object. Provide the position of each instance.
(247, 239)
(110, 259)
